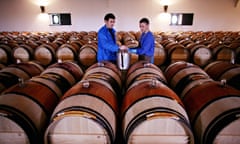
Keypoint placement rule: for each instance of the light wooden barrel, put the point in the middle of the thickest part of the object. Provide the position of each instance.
(143, 69)
(153, 113)
(87, 55)
(201, 55)
(177, 52)
(14, 73)
(107, 73)
(86, 114)
(213, 109)
(5, 54)
(23, 53)
(160, 55)
(222, 70)
(223, 53)
(71, 71)
(67, 52)
(180, 74)
(24, 112)
(45, 54)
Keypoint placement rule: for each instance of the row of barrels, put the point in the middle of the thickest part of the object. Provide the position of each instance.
(212, 106)
(197, 48)
(25, 108)
(183, 104)
(50, 52)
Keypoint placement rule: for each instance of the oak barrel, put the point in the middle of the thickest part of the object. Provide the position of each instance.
(71, 71)
(107, 73)
(25, 109)
(180, 74)
(223, 53)
(223, 70)
(177, 52)
(5, 54)
(14, 73)
(201, 55)
(87, 54)
(23, 52)
(86, 114)
(45, 54)
(144, 69)
(153, 113)
(67, 51)
(212, 107)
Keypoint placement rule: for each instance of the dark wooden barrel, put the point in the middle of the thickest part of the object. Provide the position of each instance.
(25, 110)
(14, 73)
(223, 53)
(152, 112)
(222, 70)
(87, 55)
(213, 107)
(86, 114)
(180, 74)
(67, 51)
(237, 52)
(45, 54)
(143, 69)
(23, 52)
(201, 55)
(71, 71)
(5, 54)
(2, 66)
(57, 83)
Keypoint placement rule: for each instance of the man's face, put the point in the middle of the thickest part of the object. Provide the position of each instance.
(110, 23)
(143, 27)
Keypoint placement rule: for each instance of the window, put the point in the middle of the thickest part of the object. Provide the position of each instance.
(181, 19)
(60, 18)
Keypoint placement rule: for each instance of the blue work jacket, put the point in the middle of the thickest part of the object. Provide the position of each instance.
(107, 46)
(146, 45)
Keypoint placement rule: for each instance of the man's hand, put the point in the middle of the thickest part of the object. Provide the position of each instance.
(123, 47)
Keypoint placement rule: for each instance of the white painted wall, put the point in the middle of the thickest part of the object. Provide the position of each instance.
(209, 15)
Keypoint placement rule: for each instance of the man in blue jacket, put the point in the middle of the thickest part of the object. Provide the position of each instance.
(107, 46)
(146, 47)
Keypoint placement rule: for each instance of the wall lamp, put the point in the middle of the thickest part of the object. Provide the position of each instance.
(165, 8)
(42, 8)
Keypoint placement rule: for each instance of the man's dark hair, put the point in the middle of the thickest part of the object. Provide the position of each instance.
(109, 16)
(144, 20)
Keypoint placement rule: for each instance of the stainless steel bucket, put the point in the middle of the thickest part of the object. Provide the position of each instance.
(123, 59)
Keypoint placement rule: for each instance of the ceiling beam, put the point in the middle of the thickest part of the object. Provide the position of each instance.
(236, 3)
